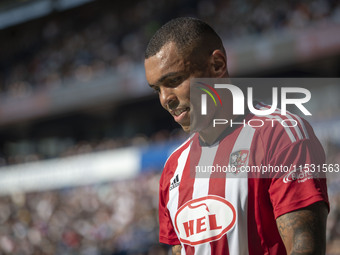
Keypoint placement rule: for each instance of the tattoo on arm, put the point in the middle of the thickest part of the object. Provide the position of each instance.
(304, 231)
(176, 249)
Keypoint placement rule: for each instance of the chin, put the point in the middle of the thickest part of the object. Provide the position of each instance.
(186, 129)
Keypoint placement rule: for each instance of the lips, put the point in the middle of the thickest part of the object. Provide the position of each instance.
(179, 111)
(180, 114)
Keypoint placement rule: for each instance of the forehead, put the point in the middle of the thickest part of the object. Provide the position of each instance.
(167, 60)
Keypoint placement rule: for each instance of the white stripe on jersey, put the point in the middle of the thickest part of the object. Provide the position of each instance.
(207, 159)
(236, 192)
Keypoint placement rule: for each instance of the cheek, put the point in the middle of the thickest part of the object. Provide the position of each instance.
(184, 92)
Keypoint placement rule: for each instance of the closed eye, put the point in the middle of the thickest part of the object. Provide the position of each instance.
(155, 89)
(169, 80)
(175, 81)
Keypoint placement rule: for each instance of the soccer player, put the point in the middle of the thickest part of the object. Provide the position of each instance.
(221, 214)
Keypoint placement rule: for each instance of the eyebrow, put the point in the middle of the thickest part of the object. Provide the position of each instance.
(164, 77)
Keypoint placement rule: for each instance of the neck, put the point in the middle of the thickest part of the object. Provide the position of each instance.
(209, 138)
(211, 134)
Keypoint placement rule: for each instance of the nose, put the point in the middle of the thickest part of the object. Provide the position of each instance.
(168, 98)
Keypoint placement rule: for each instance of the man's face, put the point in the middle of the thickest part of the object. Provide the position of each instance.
(169, 74)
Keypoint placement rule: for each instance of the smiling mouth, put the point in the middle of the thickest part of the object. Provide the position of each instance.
(180, 111)
(181, 115)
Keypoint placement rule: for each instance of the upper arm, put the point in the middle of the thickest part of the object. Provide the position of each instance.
(304, 231)
(176, 249)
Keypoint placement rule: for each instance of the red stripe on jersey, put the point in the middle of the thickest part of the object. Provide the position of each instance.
(254, 241)
(220, 246)
(254, 238)
(189, 250)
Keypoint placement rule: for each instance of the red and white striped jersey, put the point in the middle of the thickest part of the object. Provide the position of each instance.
(221, 214)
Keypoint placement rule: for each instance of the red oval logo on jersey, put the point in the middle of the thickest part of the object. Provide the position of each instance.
(204, 219)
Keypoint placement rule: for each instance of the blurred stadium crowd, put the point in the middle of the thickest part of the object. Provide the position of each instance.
(112, 218)
(118, 217)
(81, 47)
(29, 151)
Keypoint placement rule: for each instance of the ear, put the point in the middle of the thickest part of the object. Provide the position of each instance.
(218, 65)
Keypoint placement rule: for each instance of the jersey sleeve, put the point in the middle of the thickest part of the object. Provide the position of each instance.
(300, 186)
(167, 232)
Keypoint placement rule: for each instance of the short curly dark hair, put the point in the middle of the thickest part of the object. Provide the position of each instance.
(190, 35)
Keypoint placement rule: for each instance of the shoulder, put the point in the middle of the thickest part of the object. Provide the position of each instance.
(281, 130)
(179, 150)
(171, 164)
(277, 135)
